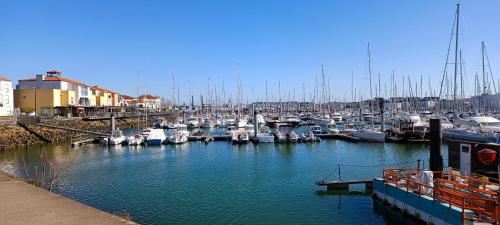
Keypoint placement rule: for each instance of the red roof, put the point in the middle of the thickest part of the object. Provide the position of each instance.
(126, 97)
(58, 79)
(102, 89)
(149, 97)
(3, 79)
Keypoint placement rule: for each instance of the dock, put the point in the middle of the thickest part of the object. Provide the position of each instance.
(343, 137)
(344, 185)
(82, 142)
(210, 137)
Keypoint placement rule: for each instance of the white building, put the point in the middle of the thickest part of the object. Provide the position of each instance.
(149, 101)
(6, 97)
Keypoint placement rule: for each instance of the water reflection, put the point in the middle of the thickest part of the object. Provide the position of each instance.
(222, 183)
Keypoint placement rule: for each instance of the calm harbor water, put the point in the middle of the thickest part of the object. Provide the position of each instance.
(220, 183)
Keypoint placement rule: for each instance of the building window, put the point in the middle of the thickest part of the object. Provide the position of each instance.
(1, 100)
(6, 100)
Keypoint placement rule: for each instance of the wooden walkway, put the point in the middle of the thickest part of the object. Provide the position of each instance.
(72, 129)
(344, 185)
(33, 132)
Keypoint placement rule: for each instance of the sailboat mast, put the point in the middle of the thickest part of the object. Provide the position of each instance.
(173, 88)
(370, 74)
(483, 67)
(456, 55)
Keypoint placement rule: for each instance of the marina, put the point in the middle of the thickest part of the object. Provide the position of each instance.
(250, 112)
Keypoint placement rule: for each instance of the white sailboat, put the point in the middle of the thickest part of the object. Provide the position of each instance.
(117, 137)
(369, 134)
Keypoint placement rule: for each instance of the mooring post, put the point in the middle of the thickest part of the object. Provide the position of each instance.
(255, 123)
(112, 121)
(436, 159)
(418, 163)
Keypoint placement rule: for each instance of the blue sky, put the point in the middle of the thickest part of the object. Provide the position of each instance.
(109, 42)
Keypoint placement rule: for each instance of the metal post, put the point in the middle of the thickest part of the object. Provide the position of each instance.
(436, 159)
(418, 163)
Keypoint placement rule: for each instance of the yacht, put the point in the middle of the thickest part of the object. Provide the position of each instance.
(135, 139)
(117, 137)
(156, 137)
(192, 122)
(180, 135)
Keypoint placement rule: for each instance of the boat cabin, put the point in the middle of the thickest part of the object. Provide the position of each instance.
(474, 158)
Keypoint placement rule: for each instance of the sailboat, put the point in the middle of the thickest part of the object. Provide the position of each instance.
(369, 134)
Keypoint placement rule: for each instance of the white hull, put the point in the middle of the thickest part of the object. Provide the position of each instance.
(265, 138)
(369, 135)
(178, 138)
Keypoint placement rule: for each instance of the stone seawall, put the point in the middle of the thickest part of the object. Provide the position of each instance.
(13, 136)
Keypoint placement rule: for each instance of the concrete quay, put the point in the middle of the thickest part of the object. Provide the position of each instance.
(22, 203)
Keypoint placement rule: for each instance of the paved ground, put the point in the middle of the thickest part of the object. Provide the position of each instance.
(22, 203)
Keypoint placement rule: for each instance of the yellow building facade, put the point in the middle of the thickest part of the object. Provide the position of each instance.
(42, 101)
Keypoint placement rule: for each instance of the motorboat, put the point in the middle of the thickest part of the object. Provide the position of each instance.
(308, 136)
(240, 137)
(366, 134)
(260, 119)
(117, 137)
(208, 123)
(332, 129)
(292, 120)
(265, 136)
(192, 122)
(317, 130)
(285, 133)
(179, 136)
(322, 121)
(249, 128)
(241, 122)
(336, 117)
(160, 123)
(156, 137)
(230, 130)
(135, 139)
(145, 133)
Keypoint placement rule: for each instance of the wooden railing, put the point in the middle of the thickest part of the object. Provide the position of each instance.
(467, 193)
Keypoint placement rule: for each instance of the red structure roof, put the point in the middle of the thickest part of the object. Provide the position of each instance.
(3, 79)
